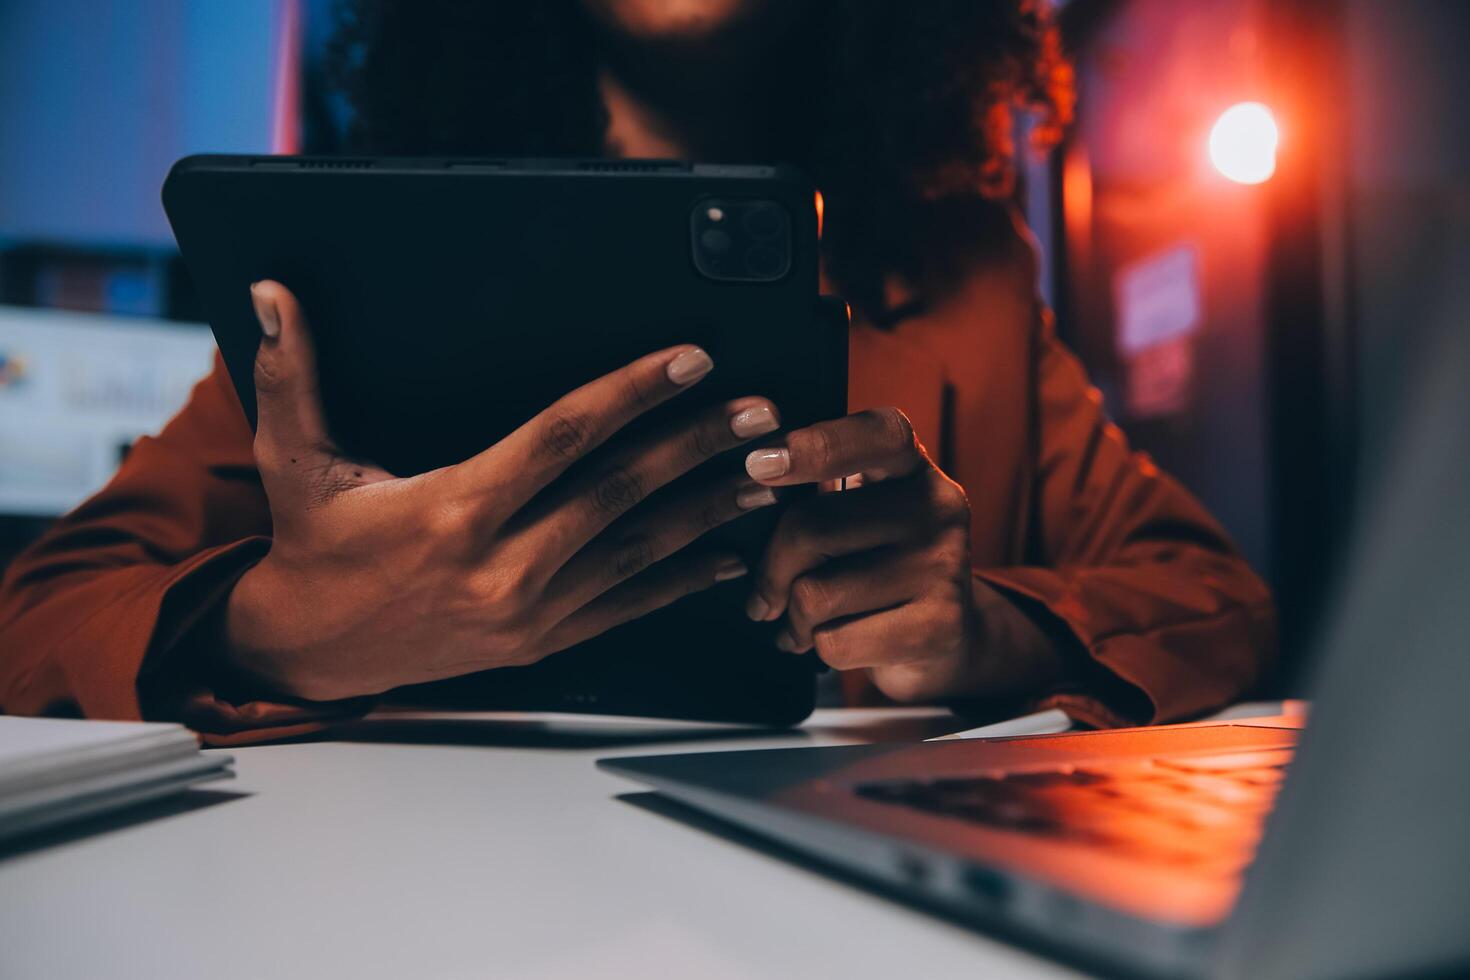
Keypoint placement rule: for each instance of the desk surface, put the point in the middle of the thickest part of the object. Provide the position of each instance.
(461, 850)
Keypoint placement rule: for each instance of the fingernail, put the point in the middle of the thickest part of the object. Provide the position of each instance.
(752, 497)
(754, 422)
(265, 312)
(756, 607)
(767, 464)
(731, 568)
(785, 641)
(689, 367)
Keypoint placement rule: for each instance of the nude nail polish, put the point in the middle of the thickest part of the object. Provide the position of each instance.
(734, 568)
(689, 367)
(785, 641)
(755, 421)
(752, 497)
(265, 312)
(768, 464)
(757, 608)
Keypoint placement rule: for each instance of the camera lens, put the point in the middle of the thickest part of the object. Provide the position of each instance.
(762, 222)
(715, 240)
(763, 262)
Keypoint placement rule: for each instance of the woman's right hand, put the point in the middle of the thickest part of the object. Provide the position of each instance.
(373, 582)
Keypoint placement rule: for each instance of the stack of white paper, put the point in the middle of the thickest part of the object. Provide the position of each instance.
(53, 769)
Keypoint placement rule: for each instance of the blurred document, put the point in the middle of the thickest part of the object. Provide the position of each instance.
(53, 770)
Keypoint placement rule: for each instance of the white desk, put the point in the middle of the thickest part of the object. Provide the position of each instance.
(420, 860)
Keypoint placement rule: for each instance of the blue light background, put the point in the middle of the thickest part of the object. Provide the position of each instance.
(99, 97)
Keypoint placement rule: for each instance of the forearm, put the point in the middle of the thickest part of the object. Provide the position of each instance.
(86, 640)
(1160, 632)
(1170, 618)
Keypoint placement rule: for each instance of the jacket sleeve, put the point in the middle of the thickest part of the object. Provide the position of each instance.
(1131, 565)
(102, 617)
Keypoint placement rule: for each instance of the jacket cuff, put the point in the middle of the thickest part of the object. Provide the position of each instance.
(183, 678)
(99, 664)
(1111, 682)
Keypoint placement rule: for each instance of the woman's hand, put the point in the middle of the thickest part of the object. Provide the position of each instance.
(373, 582)
(879, 576)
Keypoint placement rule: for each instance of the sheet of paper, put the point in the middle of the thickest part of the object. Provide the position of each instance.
(23, 738)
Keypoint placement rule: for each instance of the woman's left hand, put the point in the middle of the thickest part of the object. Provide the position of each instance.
(879, 576)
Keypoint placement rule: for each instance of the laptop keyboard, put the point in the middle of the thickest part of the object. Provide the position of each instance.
(1201, 812)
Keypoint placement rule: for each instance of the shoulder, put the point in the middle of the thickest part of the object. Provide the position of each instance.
(989, 307)
(1006, 270)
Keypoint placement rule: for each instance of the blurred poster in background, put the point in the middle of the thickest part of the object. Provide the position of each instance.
(1158, 310)
(76, 390)
(98, 98)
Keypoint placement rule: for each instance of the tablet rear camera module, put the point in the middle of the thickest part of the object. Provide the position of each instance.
(763, 222)
(741, 239)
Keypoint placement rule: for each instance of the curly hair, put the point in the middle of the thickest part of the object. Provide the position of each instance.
(899, 110)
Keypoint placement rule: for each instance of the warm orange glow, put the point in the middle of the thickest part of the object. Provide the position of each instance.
(1243, 143)
(819, 214)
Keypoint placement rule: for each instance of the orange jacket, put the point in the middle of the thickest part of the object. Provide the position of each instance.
(1174, 621)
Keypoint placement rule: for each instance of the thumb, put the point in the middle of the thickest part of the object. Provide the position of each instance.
(288, 401)
(299, 464)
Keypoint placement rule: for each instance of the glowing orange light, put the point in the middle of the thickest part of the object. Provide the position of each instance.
(1243, 143)
(820, 207)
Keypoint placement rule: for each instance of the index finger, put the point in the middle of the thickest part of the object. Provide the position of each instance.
(519, 466)
(878, 443)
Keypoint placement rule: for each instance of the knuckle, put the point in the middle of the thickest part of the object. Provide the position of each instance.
(521, 587)
(950, 562)
(897, 430)
(713, 514)
(944, 610)
(948, 501)
(706, 440)
(821, 443)
(522, 644)
(940, 632)
(567, 436)
(632, 557)
(617, 490)
(809, 598)
(506, 595)
(448, 519)
(270, 373)
(831, 648)
(643, 391)
(905, 687)
(951, 554)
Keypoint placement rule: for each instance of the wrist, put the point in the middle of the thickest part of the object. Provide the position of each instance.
(260, 645)
(1012, 654)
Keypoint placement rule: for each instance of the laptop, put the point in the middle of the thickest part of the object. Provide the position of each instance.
(1246, 849)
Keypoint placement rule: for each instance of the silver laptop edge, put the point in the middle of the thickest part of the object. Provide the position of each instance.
(1363, 870)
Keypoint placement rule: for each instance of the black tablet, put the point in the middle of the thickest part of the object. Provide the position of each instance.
(452, 299)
